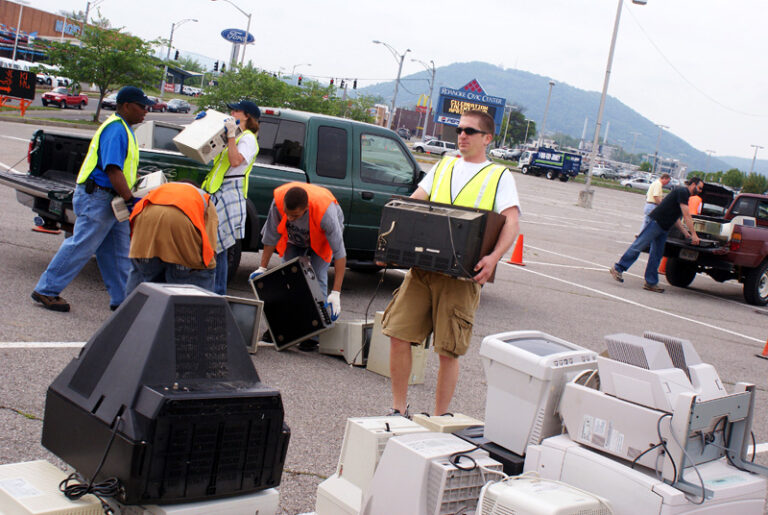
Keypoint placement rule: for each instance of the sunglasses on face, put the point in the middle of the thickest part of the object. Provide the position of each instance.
(469, 131)
(142, 106)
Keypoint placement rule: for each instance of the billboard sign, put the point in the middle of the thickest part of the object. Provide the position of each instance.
(453, 102)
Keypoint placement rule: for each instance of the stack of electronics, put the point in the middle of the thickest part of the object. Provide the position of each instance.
(294, 305)
(348, 339)
(436, 237)
(165, 399)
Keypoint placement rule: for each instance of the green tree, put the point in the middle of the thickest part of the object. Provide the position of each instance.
(734, 178)
(645, 166)
(108, 59)
(755, 183)
(187, 63)
(696, 173)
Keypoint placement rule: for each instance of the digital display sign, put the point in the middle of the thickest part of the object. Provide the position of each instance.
(457, 106)
(17, 83)
(454, 102)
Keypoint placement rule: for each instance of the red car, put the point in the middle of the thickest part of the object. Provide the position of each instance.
(62, 97)
(159, 105)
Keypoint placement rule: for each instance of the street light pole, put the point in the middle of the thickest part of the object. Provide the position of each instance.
(431, 89)
(399, 58)
(18, 27)
(247, 28)
(527, 125)
(168, 53)
(752, 167)
(585, 195)
(546, 110)
(88, 10)
(709, 154)
(632, 152)
(656, 152)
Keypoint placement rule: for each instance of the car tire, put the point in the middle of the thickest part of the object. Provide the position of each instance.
(441, 155)
(45, 103)
(563, 178)
(524, 170)
(162, 110)
(48, 81)
(418, 149)
(62, 105)
(551, 175)
(680, 273)
(756, 285)
(80, 105)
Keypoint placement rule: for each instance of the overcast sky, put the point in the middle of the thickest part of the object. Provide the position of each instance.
(697, 66)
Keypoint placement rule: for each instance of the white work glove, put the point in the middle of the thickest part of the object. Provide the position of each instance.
(257, 273)
(230, 125)
(334, 301)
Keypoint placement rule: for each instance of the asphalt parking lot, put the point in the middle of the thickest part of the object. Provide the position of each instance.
(564, 289)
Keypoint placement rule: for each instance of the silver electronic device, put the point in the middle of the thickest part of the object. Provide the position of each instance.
(655, 404)
(204, 139)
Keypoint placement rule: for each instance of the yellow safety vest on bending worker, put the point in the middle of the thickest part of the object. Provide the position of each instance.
(91, 161)
(478, 193)
(215, 177)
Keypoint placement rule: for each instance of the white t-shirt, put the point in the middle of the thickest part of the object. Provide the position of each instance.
(247, 148)
(506, 193)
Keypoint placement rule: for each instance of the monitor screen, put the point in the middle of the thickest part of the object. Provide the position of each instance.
(539, 346)
(247, 313)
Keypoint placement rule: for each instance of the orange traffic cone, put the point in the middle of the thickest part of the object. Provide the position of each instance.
(764, 354)
(517, 254)
(663, 266)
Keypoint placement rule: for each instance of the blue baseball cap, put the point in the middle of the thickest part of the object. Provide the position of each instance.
(134, 95)
(247, 107)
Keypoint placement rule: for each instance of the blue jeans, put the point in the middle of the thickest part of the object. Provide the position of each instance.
(654, 236)
(154, 270)
(647, 211)
(318, 264)
(220, 274)
(96, 231)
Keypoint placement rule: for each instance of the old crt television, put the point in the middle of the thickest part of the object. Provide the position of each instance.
(294, 305)
(437, 237)
(247, 313)
(169, 378)
(204, 139)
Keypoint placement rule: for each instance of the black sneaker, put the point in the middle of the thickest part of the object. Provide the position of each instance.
(396, 413)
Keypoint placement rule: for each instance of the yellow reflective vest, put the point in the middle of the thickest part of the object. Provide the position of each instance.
(131, 164)
(215, 177)
(479, 192)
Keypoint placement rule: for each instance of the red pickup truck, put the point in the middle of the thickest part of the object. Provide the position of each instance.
(62, 97)
(734, 244)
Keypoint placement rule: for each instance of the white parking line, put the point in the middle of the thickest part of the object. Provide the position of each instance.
(25, 140)
(12, 170)
(41, 345)
(637, 304)
(601, 269)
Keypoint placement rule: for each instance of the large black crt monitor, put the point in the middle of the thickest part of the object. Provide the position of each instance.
(169, 374)
(437, 237)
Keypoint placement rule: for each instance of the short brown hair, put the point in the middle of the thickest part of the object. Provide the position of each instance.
(296, 198)
(487, 124)
(665, 176)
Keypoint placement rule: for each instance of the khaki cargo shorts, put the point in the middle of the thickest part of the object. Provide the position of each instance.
(429, 302)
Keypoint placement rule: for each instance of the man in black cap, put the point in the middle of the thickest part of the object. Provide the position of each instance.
(109, 169)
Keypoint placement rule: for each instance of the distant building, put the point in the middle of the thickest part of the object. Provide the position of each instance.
(667, 165)
(35, 24)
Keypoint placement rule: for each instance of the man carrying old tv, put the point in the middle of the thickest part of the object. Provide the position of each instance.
(430, 302)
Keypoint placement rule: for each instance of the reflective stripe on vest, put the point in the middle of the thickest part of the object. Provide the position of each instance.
(91, 161)
(479, 192)
(215, 177)
(193, 205)
(319, 199)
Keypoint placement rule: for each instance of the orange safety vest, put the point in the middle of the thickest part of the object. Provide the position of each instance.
(694, 204)
(319, 199)
(190, 200)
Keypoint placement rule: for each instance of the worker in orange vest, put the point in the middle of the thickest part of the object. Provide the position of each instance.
(173, 237)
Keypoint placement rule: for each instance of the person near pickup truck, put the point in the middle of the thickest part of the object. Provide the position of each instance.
(654, 234)
(654, 197)
(227, 182)
(109, 169)
(429, 302)
(173, 237)
(306, 220)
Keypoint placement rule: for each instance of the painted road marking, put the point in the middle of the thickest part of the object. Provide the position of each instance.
(41, 345)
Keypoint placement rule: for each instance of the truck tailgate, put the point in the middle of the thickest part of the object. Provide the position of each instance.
(33, 185)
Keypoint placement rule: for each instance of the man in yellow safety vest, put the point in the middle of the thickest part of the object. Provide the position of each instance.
(430, 302)
(109, 169)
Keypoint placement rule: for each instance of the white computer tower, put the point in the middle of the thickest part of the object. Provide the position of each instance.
(349, 339)
(415, 476)
(364, 441)
(378, 355)
(637, 490)
(204, 139)
(526, 372)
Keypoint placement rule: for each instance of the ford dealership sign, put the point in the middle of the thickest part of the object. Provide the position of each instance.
(236, 36)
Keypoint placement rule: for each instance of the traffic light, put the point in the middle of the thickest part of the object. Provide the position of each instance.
(300, 77)
(331, 82)
(342, 84)
(216, 66)
(222, 67)
(354, 84)
(176, 56)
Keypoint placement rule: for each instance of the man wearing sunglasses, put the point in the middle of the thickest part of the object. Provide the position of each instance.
(430, 302)
(109, 169)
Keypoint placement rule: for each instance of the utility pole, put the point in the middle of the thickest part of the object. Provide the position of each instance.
(752, 167)
(546, 110)
(709, 154)
(632, 152)
(656, 153)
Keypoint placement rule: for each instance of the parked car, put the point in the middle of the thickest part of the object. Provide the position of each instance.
(604, 172)
(178, 105)
(512, 153)
(498, 152)
(158, 105)
(434, 146)
(62, 97)
(404, 133)
(639, 183)
(110, 102)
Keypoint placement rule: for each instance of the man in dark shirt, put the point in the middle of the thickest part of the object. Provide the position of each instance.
(655, 233)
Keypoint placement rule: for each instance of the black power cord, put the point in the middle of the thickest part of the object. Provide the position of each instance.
(106, 488)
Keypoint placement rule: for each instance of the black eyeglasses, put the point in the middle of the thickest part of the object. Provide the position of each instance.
(469, 131)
